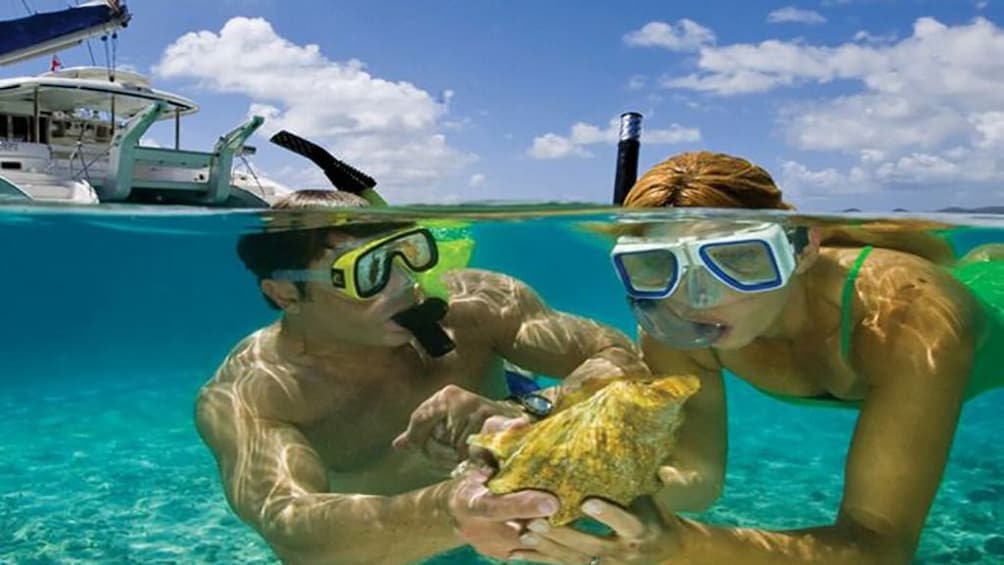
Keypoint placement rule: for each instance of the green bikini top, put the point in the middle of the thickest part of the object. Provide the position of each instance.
(847, 305)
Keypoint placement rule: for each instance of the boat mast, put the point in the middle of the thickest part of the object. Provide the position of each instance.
(34, 113)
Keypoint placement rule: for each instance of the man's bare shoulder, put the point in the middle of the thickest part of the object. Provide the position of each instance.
(463, 282)
(245, 359)
(478, 296)
(255, 381)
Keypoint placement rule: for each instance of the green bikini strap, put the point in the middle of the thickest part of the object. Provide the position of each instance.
(847, 305)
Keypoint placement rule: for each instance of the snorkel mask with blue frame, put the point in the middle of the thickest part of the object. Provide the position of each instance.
(751, 259)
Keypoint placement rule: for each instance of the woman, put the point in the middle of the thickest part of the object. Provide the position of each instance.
(888, 333)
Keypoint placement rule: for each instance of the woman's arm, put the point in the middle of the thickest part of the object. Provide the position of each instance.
(693, 476)
(914, 348)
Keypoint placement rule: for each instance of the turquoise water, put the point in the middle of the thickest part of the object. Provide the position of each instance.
(112, 322)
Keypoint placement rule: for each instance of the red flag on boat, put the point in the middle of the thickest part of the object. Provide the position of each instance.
(56, 63)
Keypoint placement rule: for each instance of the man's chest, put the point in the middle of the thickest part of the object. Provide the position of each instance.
(365, 413)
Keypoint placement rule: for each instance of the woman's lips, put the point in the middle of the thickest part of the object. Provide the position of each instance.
(725, 328)
(709, 320)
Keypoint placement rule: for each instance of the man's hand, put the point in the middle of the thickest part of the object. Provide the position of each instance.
(492, 523)
(439, 427)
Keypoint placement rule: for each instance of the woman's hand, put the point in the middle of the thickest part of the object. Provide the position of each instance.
(672, 476)
(644, 537)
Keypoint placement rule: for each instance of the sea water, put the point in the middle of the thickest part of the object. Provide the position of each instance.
(112, 319)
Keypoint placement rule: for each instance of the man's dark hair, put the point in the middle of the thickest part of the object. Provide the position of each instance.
(268, 251)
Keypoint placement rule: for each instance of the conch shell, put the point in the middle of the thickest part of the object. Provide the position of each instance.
(606, 443)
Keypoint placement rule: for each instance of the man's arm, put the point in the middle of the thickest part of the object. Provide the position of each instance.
(512, 319)
(540, 339)
(276, 482)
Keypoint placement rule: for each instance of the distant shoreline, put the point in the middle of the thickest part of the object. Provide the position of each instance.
(950, 210)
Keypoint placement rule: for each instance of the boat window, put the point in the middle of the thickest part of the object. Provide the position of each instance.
(103, 133)
(20, 129)
(10, 165)
(43, 128)
(59, 128)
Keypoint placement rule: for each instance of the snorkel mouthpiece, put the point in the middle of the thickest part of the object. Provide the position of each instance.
(676, 332)
(422, 320)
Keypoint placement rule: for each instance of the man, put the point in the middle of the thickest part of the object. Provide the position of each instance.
(302, 414)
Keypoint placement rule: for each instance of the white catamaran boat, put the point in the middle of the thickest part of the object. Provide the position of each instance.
(74, 135)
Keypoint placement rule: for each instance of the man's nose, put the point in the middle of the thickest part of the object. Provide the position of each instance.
(400, 280)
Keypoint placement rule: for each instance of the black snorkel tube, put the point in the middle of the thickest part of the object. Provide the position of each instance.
(662, 325)
(627, 155)
(342, 176)
(422, 319)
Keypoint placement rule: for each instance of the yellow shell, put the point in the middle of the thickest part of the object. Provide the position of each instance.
(606, 443)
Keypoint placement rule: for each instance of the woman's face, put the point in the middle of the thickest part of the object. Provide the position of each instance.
(703, 311)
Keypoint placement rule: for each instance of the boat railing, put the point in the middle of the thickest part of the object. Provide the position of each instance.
(10, 191)
(125, 154)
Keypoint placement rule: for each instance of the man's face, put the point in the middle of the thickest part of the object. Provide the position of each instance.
(326, 312)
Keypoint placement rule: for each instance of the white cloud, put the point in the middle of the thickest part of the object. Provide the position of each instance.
(636, 82)
(922, 110)
(989, 128)
(864, 36)
(477, 180)
(799, 183)
(673, 134)
(962, 60)
(390, 129)
(958, 166)
(870, 121)
(791, 14)
(686, 35)
(553, 146)
(918, 167)
(741, 82)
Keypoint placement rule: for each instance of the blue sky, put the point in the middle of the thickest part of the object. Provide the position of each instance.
(871, 104)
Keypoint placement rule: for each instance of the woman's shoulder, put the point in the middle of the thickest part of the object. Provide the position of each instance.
(890, 266)
(887, 291)
(874, 287)
(870, 264)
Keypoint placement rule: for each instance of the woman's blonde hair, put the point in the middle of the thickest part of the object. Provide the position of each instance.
(703, 179)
